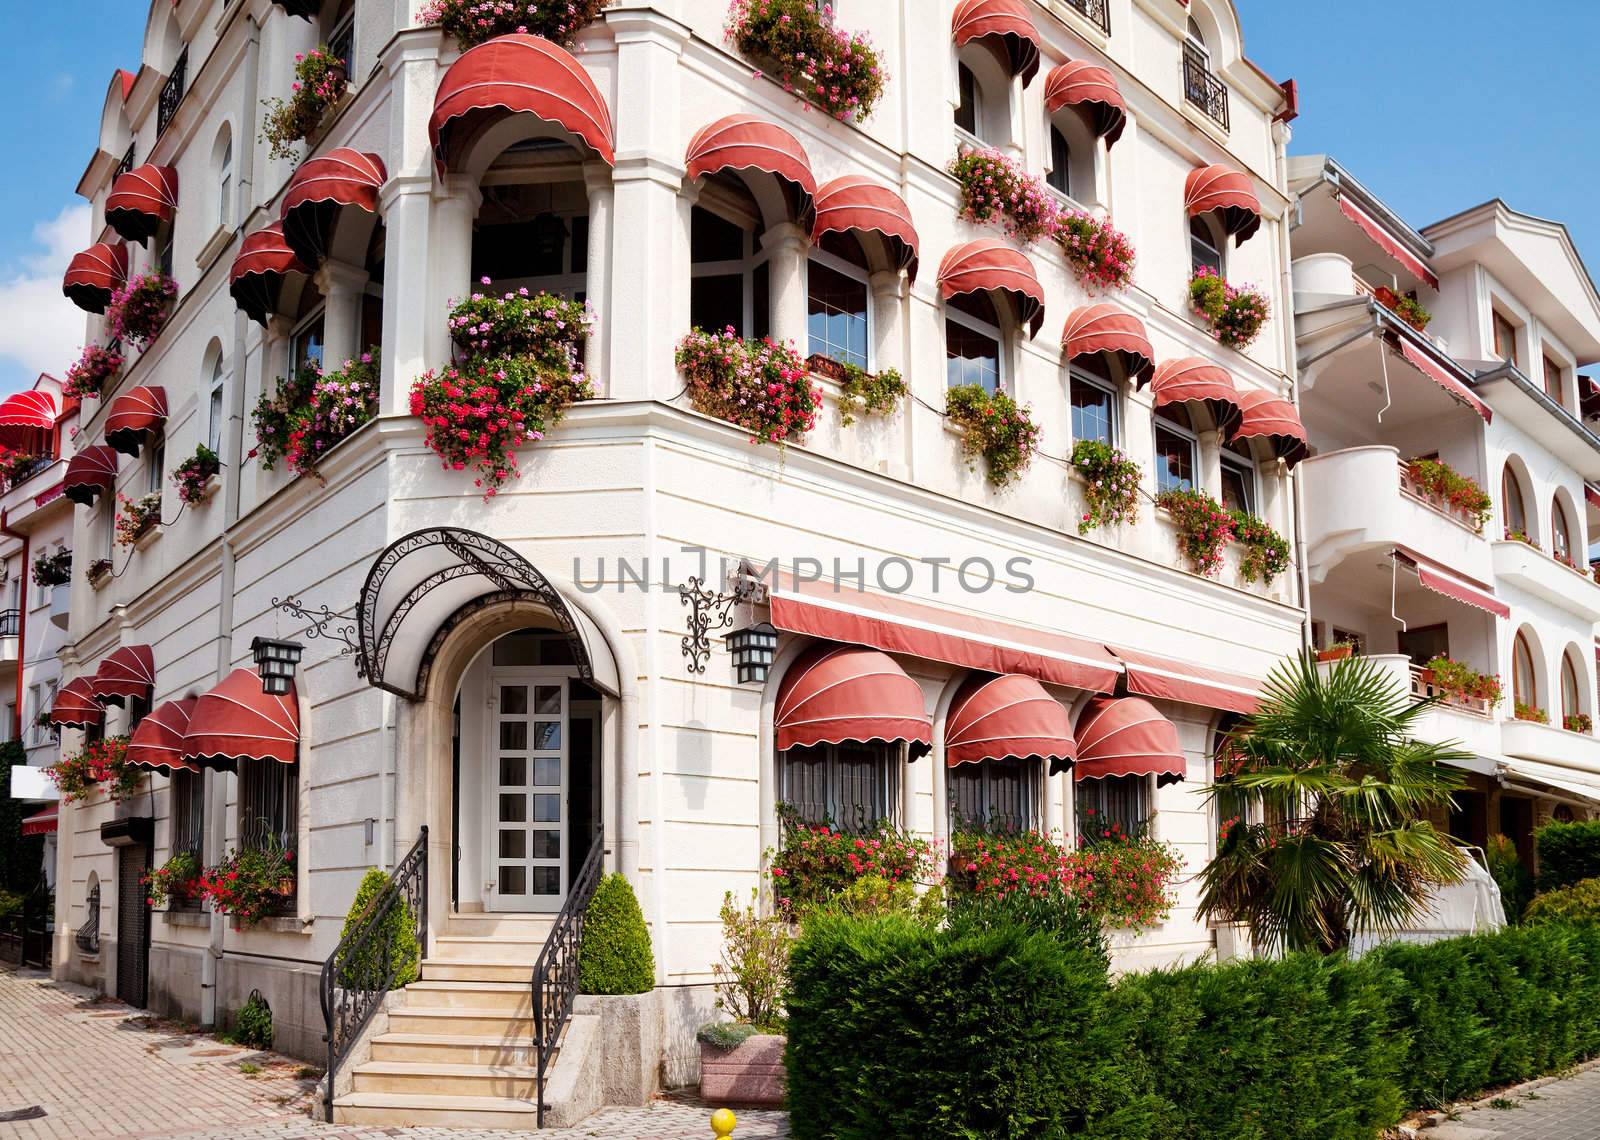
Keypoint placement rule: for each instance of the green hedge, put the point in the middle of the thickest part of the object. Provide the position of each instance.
(1577, 903)
(1568, 853)
(896, 1029)
(615, 956)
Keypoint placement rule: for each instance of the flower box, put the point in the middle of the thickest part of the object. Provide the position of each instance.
(1337, 653)
(826, 367)
(98, 573)
(750, 1073)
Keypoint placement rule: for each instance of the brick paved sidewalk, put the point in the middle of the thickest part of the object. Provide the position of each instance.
(100, 1070)
(1560, 1110)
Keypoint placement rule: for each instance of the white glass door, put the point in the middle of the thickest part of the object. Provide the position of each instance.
(527, 767)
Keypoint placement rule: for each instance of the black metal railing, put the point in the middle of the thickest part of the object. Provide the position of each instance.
(555, 974)
(25, 932)
(126, 164)
(10, 623)
(88, 935)
(1097, 12)
(363, 968)
(172, 93)
(1202, 88)
(342, 46)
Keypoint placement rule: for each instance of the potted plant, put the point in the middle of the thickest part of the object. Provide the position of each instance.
(319, 83)
(1577, 722)
(138, 517)
(1411, 311)
(139, 309)
(863, 393)
(17, 466)
(313, 410)
(1235, 314)
(742, 1061)
(797, 41)
(472, 22)
(88, 376)
(1204, 528)
(1532, 713)
(98, 571)
(175, 883)
(250, 883)
(50, 570)
(995, 190)
(996, 429)
(1099, 254)
(1110, 485)
(1338, 651)
(193, 477)
(100, 762)
(1265, 552)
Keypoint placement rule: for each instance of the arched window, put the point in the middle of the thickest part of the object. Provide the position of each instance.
(983, 97)
(1194, 39)
(1560, 531)
(1513, 512)
(972, 342)
(1571, 698)
(1524, 682)
(1060, 177)
(214, 405)
(1206, 244)
(224, 176)
(969, 109)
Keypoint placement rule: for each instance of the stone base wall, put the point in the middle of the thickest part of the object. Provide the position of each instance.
(290, 988)
(175, 973)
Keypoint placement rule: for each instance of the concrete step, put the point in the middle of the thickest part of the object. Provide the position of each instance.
(478, 970)
(503, 997)
(435, 1078)
(413, 1019)
(432, 1109)
(499, 948)
(499, 1049)
(532, 927)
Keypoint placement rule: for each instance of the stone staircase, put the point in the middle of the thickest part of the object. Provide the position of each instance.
(458, 1049)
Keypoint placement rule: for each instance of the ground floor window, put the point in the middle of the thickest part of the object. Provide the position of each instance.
(995, 795)
(269, 805)
(188, 800)
(850, 785)
(1111, 803)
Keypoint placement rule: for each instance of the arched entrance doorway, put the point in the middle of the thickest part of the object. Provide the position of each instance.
(511, 736)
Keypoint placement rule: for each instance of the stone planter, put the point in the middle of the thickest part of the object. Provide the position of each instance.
(752, 1073)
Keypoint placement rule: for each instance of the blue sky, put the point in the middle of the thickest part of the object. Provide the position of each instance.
(1435, 104)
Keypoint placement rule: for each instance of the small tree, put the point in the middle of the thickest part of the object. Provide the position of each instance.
(755, 965)
(615, 955)
(390, 957)
(1344, 786)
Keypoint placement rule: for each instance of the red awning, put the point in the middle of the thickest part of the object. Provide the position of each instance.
(838, 693)
(1388, 243)
(42, 822)
(517, 75)
(989, 265)
(320, 190)
(136, 416)
(1126, 736)
(1436, 372)
(237, 721)
(1591, 495)
(258, 272)
(75, 705)
(1449, 583)
(1195, 380)
(158, 741)
(1007, 718)
(1006, 26)
(1272, 418)
(1113, 331)
(872, 212)
(742, 143)
(897, 624)
(91, 472)
(1171, 680)
(305, 9)
(1226, 193)
(1078, 83)
(1588, 397)
(28, 421)
(126, 672)
(141, 200)
(93, 275)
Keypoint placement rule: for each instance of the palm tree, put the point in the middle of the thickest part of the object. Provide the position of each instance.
(1341, 789)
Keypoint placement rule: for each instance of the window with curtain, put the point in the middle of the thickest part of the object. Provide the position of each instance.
(1511, 504)
(1524, 682)
(850, 785)
(1174, 449)
(1108, 803)
(994, 795)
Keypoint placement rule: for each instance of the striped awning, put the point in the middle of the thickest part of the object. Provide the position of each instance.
(237, 721)
(75, 705)
(136, 417)
(257, 276)
(90, 473)
(158, 741)
(28, 421)
(141, 200)
(321, 190)
(1078, 83)
(1228, 194)
(1007, 718)
(1126, 736)
(988, 265)
(126, 672)
(1275, 420)
(874, 214)
(1194, 380)
(1004, 25)
(839, 693)
(1105, 328)
(745, 144)
(96, 273)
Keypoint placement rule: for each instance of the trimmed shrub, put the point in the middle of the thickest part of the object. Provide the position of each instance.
(392, 946)
(1577, 903)
(615, 955)
(896, 1029)
(252, 1026)
(1495, 1009)
(1510, 875)
(1568, 853)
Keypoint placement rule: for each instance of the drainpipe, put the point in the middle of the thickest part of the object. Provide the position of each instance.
(1291, 368)
(22, 625)
(233, 453)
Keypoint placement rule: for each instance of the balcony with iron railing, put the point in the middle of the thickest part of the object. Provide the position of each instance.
(172, 92)
(127, 162)
(1202, 88)
(1097, 12)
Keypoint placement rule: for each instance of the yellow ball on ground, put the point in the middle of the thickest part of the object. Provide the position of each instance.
(723, 1122)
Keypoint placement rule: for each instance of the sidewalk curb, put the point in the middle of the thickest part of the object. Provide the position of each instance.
(1434, 1119)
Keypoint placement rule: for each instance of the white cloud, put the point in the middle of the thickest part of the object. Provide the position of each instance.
(40, 330)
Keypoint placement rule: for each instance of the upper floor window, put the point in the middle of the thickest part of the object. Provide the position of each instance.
(1552, 379)
(225, 179)
(165, 240)
(1512, 506)
(1206, 243)
(969, 111)
(995, 795)
(341, 40)
(972, 342)
(155, 465)
(305, 344)
(1060, 176)
(1201, 86)
(839, 300)
(1571, 698)
(214, 406)
(728, 282)
(1238, 477)
(1505, 339)
(1174, 449)
(1560, 531)
(1524, 681)
(850, 785)
(1194, 40)
(1093, 409)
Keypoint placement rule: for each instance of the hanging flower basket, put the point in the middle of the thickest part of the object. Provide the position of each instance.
(174, 883)
(312, 411)
(1265, 552)
(88, 376)
(836, 70)
(139, 309)
(472, 22)
(995, 429)
(758, 385)
(995, 190)
(319, 83)
(137, 517)
(1204, 528)
(1110, 485)
(52, 569)
(1235, 313)
(863, 393)
(194, 474)
(102, 762)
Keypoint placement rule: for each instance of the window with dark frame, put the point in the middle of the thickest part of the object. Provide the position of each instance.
(1423, 643)
(1174, 449)
(1505, 339)
(1524, 681)
(187, 792)
(269, 805)
(994, 795)
(1205, 246)
(967, 109)
(1552, 379)
(1107, 803)
(849, 785)
(1060, 177)
(728, 283)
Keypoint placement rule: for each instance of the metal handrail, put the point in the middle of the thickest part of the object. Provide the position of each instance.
(1202, 88)
(88, 936)
(555, 974)
(1097, 12)
(353, 985)
(172, 93)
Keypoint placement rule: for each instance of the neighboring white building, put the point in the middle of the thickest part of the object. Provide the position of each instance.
(486, 626)
(1491, 388)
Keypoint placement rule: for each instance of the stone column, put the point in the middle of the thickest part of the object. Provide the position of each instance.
(1208, 473)
(597, 180)
(342, 287)
(889, 291)
(787, 244)
(450, 240)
